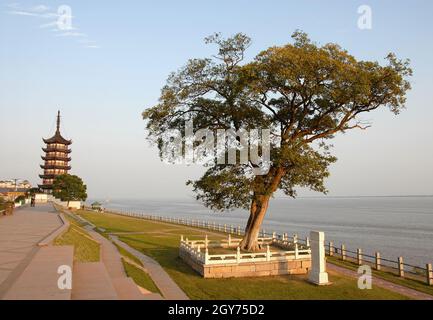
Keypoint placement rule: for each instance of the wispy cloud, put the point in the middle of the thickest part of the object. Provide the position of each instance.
(92, 46)
(49, 24)
(72, 34)
(24, 13)
(43, 11)
(40, 8)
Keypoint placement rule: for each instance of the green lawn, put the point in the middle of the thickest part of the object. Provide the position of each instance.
(140, 277)
(161, 242)
(85, 249)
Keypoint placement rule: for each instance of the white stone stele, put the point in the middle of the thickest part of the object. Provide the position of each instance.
(318, 274)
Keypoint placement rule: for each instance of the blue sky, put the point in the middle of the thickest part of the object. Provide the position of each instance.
(120, 53)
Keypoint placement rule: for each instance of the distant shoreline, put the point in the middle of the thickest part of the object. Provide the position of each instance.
(279, 197)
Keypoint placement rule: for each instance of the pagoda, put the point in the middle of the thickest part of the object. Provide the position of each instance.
(56, 158)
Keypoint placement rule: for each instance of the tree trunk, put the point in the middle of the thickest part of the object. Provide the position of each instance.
(259, 206)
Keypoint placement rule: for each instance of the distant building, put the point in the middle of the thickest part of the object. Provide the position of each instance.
(10, 194)
(56, 158)
(13, 183)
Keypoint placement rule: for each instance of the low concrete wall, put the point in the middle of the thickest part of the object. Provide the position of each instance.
(73, 205)
(249, 269)
(68, 205)
(41, 198)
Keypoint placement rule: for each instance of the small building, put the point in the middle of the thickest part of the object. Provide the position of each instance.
(56, 159)
(96, 206)
(15, 183)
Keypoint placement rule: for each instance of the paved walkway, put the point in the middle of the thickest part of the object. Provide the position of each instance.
(39, 281)
(411, 293)
(19, 236)
(91, 281)
(169, 289)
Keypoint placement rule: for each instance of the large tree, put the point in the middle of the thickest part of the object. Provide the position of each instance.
(68, 187)
(304, 92)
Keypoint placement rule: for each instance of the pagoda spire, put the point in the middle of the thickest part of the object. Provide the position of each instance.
(58, 121)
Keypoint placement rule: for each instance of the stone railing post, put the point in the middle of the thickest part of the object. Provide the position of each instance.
(206, 256)
(296, 251)
(343, 252)
(331, 249)
(229, 240)
(238, 255)
(231, 228)
(429, 274)
(239, 230)
(295, 238)
(377, 260)
(359, 256)
(307, 242)
(400, 267)
(268, 253)
(225, 228)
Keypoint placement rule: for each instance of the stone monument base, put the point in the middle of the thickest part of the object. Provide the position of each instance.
(247, 269)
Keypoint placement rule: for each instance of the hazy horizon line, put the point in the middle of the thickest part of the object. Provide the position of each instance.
(278, 197)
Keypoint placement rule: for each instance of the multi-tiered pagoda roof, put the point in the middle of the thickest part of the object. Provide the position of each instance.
(56, 159)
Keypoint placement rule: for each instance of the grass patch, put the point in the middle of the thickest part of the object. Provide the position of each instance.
(85, 249)
(161, 242)
(410, 283)
(140, 277)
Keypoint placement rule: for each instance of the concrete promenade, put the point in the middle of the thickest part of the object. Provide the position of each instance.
(29, 262)
(19, 238)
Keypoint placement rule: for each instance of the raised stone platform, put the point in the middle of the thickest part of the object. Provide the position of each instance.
(284, 258)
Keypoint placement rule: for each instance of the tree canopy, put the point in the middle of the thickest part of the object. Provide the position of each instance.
(69, 188)
(305, 93)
